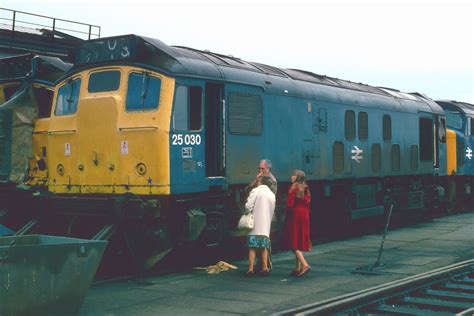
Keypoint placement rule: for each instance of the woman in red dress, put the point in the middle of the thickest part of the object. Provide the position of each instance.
(296, 233)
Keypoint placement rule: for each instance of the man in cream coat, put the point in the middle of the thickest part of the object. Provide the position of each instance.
(261, 202)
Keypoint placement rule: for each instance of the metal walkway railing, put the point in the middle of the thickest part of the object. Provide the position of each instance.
(24, 21)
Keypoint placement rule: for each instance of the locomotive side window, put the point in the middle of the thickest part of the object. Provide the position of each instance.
(387, 127)
(245, 114)
(187, 113)
(396, 157)
(376, 157)
(363, 126)
(426, 139)
(44, 98)
(195, 108)
(338, 156)
(104, 81)
(349, 122)
(143, 92)
(472, 126)
(442, 130)
(68, 96)
(414, 156)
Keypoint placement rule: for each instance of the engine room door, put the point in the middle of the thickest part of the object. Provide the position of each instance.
(214, 130)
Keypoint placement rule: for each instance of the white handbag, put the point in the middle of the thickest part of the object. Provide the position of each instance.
(246, 221)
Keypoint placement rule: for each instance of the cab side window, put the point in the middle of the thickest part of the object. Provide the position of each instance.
(143, 92)
(187, 114)
(68, 97)
(44, 98)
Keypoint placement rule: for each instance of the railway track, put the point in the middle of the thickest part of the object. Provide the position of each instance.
(445, 291)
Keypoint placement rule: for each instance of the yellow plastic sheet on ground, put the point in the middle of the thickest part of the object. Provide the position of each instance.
(217, 268)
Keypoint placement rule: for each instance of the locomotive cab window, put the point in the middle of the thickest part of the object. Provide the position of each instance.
(187, 115)
(104, 81)
(143, 93)
(68, 97)
(454, 119)
(349, 123)
(44, 98)
(471, 120)
(441, 128)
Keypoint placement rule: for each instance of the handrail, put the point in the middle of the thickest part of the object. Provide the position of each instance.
(53, 27)
(66, 131)
(136, 128)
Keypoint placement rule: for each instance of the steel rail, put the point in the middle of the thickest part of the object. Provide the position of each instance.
(377, 293)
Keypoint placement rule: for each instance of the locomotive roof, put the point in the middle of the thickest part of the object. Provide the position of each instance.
(184, 61)
(461, 106)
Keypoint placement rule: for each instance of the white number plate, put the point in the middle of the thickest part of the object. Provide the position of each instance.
(186, 139)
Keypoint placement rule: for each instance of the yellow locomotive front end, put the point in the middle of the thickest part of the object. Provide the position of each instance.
(109, 132)
(120, 165)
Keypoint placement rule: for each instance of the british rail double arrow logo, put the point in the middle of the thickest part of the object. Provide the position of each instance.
(357, 152)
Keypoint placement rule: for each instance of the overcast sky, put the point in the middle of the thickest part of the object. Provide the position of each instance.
(423, 46)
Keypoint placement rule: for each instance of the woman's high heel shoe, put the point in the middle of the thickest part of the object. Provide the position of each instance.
(304, 271)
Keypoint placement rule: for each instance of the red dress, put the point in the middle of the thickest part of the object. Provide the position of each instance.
(296, 231)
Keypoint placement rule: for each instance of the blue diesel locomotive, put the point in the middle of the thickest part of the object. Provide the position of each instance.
(160, 141)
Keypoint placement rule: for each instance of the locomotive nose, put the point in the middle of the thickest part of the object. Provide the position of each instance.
(89, 149)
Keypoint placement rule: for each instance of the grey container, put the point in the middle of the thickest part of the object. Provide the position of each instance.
(46, 275)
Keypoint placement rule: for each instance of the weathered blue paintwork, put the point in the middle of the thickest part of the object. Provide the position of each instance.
(303, 115)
